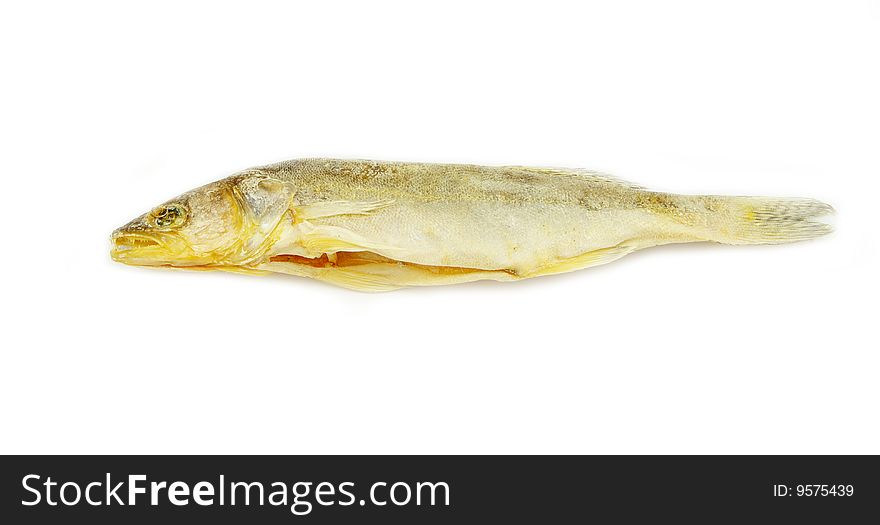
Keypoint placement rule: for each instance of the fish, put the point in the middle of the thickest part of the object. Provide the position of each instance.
(378, 226)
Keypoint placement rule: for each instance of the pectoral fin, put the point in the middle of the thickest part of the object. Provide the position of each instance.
(324, 239)
(353, 279)
(317, 240)
(360, 281)
(331, 208)
(243, 270)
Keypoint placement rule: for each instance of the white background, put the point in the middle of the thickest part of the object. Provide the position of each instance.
(109, 108)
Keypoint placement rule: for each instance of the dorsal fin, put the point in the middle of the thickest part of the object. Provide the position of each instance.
(593, 176)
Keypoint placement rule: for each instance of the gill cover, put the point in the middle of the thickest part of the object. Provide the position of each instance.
(264, 202)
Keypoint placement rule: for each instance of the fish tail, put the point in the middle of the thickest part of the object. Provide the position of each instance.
(762, 220)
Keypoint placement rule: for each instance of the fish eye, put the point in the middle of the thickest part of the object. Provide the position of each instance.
(168, 216)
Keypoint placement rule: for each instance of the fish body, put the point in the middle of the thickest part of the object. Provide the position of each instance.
(376, 226)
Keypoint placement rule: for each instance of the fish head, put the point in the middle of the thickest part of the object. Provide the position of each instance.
(225, 223)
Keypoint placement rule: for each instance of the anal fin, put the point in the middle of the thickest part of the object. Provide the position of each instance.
(585, 260)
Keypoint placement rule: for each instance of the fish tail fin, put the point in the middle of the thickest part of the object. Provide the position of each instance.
(763, 220)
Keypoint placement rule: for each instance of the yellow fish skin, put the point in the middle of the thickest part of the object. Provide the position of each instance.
(377, 226)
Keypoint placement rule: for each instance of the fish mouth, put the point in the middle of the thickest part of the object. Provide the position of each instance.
(130, 241)
(137, 248)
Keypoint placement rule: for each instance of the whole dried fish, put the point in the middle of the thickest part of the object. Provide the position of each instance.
(375, 226)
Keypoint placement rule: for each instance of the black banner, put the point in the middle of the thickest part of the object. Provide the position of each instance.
(438, 489)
